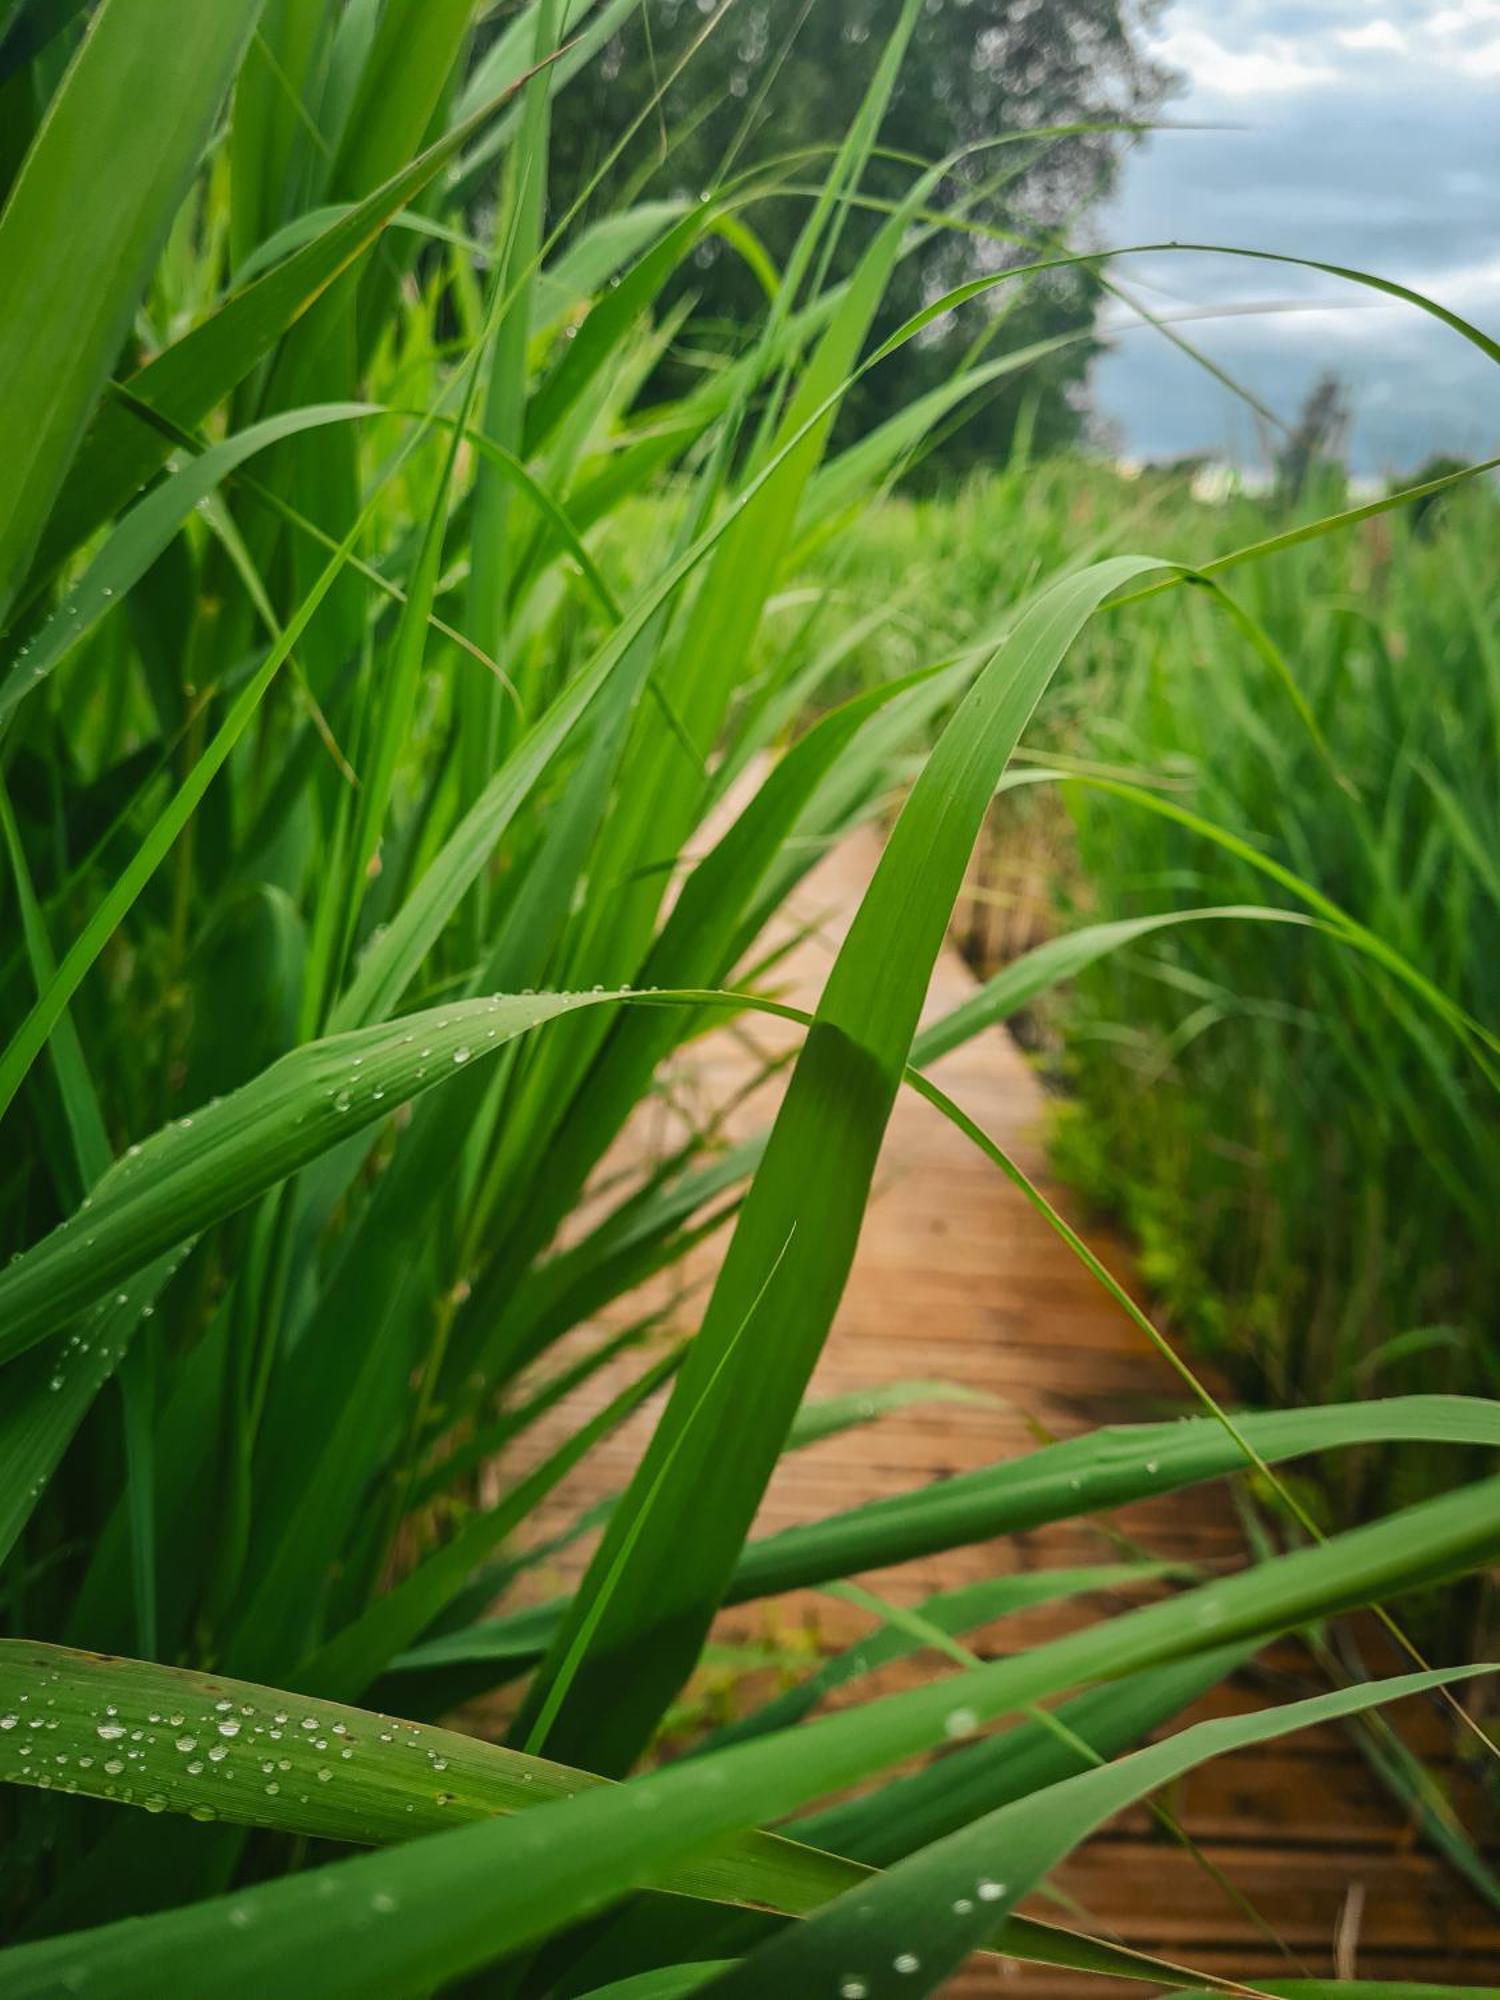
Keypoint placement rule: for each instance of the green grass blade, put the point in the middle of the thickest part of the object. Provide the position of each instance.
(478, 1893)
(140, 538)
(187, 380)
(106, 182)
(1113, 1467)
(1035, 972)
(906, 1931)
(210, 1164)
(49, 1393)
(835, 1113)
(173, 1740)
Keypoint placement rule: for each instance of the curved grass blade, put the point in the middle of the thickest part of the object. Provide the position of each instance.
(170, 1739)
(480, 1892)
(1331, 915)
(1108, 1468)
(977, 287)
(908, 1929)
(786, 1265)
(211, 1163)
(1016, 985)
(140, 538)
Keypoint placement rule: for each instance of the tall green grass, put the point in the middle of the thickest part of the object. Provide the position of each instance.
(1309, 1179)
(365, 739)
(1346, 1170)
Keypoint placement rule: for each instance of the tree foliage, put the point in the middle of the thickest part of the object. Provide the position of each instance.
(976, 71)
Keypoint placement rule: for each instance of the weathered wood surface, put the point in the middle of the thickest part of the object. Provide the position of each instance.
(957, 1278)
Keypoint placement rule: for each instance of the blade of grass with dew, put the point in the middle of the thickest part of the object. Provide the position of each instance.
(954, 1611)
(213, 1162)
(543, 1869)
(371, 1780)
(914, 1925)
(220, 1749)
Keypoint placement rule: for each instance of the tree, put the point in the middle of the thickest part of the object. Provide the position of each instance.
(1316, 447)
(977, 70)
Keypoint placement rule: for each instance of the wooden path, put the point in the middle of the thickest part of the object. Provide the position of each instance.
(957, 1279)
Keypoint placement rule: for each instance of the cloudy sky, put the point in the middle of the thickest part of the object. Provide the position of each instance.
(1366, 132)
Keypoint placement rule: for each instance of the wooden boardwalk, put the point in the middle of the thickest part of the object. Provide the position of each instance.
(958, 1279)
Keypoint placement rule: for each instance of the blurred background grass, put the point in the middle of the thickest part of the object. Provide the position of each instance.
(1312, 1190)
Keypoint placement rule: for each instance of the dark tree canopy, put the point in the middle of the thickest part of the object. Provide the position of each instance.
(977, 70)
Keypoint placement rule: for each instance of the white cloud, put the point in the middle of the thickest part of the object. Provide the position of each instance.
(1468, 35)
(1271, 67)
(1465, 17)
(1230, 50)
(1376, 35)
(1361, 131)
(1466, 288)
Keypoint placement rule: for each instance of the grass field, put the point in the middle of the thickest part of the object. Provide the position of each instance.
(376, 655)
